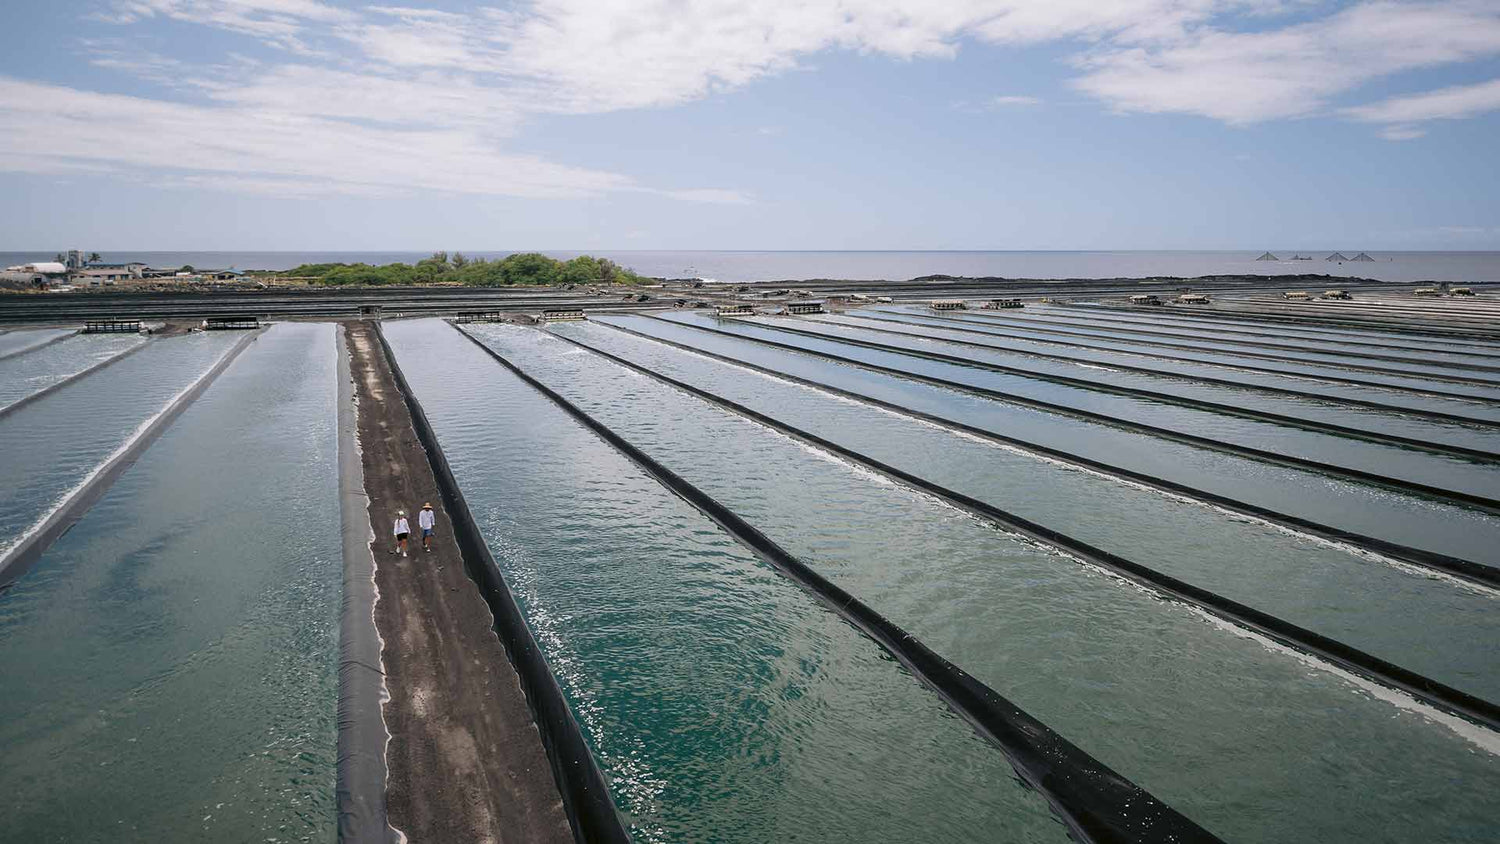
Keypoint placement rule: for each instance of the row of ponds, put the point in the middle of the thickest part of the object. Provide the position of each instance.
(169, 663)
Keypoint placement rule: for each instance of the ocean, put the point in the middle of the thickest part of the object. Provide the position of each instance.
(775, 266)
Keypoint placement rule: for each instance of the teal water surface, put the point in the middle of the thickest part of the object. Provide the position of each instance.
(1213, 722)
(723, 703)
(168, 667)
(1329, 588)
(1382, 513)
(23, 375)
(53, 444)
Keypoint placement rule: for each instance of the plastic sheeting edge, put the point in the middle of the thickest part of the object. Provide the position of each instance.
(67, 514)
(1478, 502)
(1096, 803)
(1456, 566)
(586, 798)
(361, 779)
(1333, 651)
(77, 376)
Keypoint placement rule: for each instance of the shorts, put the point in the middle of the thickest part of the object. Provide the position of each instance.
(401, 536)
(426, 532)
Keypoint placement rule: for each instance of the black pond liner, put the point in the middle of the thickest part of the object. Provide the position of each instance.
(359, 789)
(73, 508)
(42, 345)
(1105, 322)
(1438, 695)
(956, 326)
(1467, 569)
(81, 374)
(1345, 323)
(996, 328)
(1081, 332)
(1473, 455)
(586, 799)
(1096, 804)
(1264, 343)
(1467, 499)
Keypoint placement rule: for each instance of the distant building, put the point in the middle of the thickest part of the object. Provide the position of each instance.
(95, 274)
(36, 274)
(43, 268)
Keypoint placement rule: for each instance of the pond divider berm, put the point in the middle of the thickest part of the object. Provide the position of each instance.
(998, 330)
(576, 780)
(360, 783)
(1258, 342)
(1100, 322)
(1446, 449)
(42, 345)
(1332, 651)
(1467, 569)
(93, 487)
(887, 325)
(1331, 319)
(80, 374)
(1097, 804)
(1388, 372)
(1478, 502)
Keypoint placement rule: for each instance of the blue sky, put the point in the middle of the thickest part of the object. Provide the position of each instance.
(758, 124)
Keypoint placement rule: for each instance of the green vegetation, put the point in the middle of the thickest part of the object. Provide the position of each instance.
(519, 269)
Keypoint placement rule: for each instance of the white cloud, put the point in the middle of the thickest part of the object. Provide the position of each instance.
(276, 21)
(1402, 133)
(1455, 103)
(597, 55)
(60, 127)
(395, 97)
(427, 98)
(1244, 77)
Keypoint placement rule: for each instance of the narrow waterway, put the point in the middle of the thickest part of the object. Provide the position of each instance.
(1446, 473)
(1168, 372)
(1373, 511)
(1291, 367)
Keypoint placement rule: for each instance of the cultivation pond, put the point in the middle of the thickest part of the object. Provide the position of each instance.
(169, 664)
(1207, 569)
(24, 375)
(722, 702)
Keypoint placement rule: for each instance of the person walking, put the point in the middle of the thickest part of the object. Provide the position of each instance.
(403, 531)
(426, 520)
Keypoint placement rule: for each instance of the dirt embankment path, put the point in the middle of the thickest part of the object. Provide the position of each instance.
(466, 761)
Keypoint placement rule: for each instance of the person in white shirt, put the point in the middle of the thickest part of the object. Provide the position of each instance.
(403, 531)
(426, 520)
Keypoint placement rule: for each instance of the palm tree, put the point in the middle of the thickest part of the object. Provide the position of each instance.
(95, 257)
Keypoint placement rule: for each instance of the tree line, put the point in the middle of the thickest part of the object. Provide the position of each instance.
(518, 269)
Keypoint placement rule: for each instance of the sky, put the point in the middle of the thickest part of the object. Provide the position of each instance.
(749, 124)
